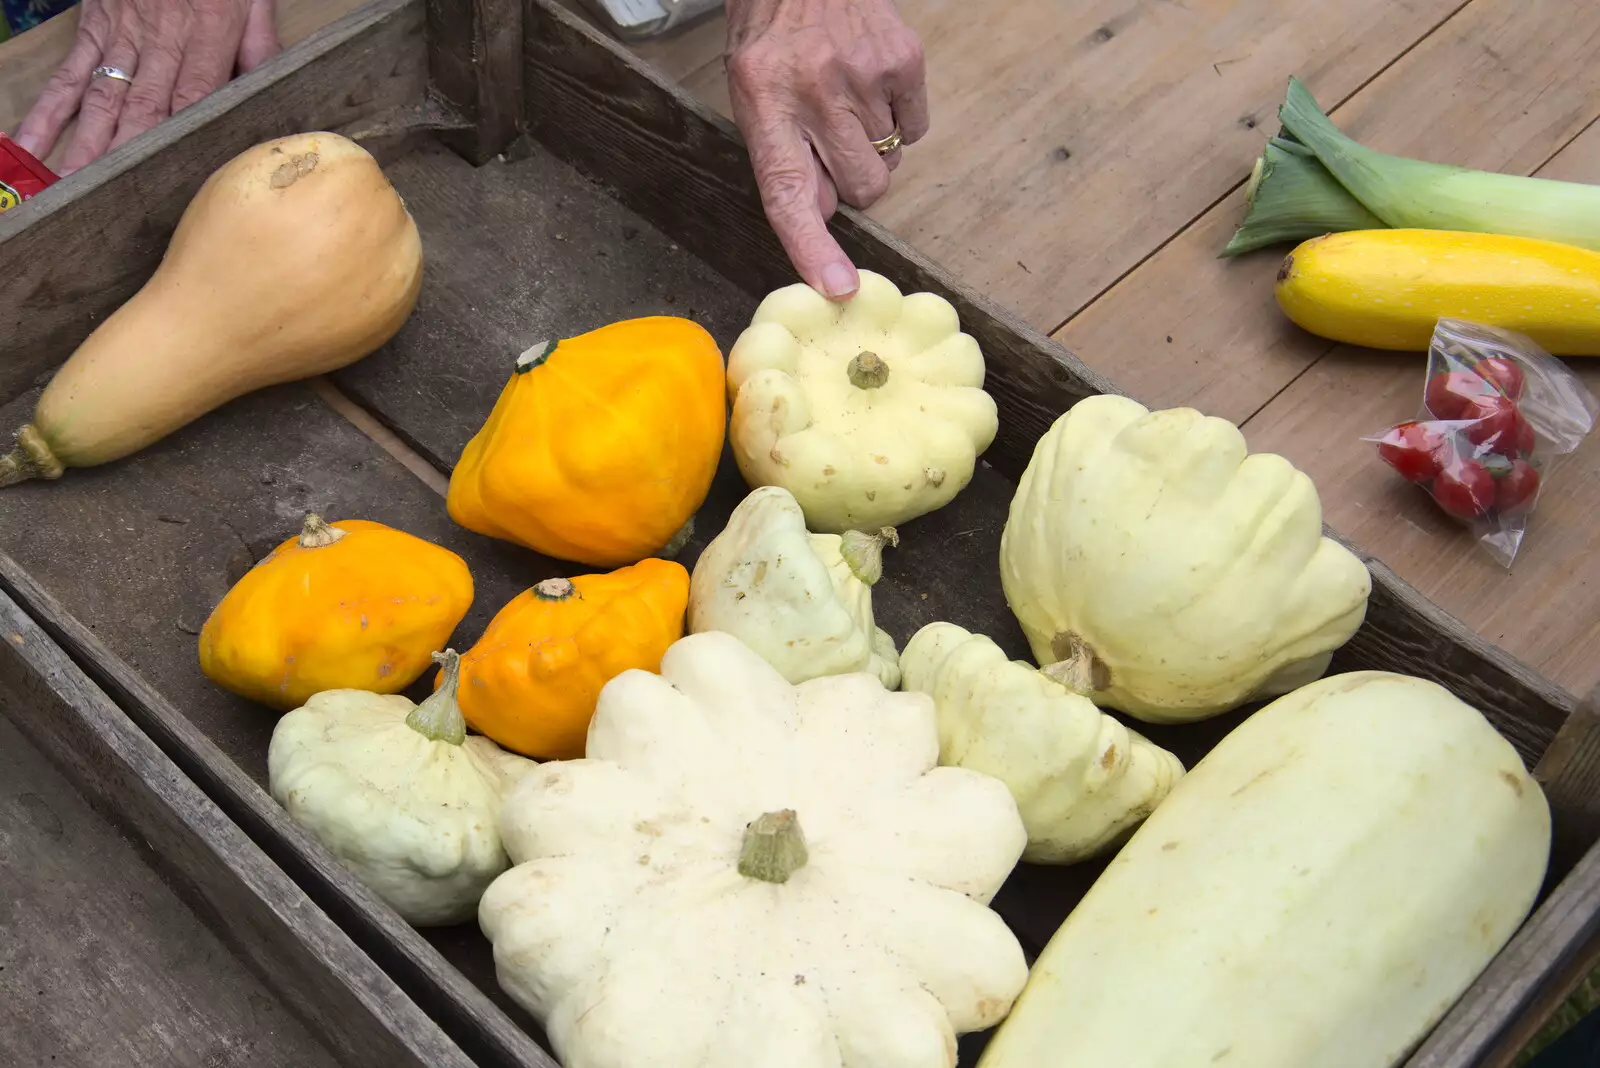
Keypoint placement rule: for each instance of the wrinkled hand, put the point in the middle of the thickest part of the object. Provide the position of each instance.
(176, 51)
(813, 83)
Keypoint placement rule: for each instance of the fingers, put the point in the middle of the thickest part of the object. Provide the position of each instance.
(103, 100)
(149, 99)
(827, 195)
(59, 99)
(260, 41)
(793, 193)
(907, 84)
(911, 112)
(859, 173)
(209, 55)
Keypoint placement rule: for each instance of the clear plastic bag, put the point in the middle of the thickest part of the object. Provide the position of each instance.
(1495, 408)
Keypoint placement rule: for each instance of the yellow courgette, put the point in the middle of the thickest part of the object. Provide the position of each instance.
(1386, 289)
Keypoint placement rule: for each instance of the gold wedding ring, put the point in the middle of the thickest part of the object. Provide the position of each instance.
(888, 144)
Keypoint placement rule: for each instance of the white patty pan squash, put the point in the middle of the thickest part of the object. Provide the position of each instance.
(1081, 780)
(399, 793)
(801, 600)
(871, 412)
(744, 872)
(1316, 892)
(1160, 569)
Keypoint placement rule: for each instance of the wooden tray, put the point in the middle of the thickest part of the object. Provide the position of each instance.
(560, 185)
(138, 925)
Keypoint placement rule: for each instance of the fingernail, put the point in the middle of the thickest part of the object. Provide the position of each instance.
(838, 281)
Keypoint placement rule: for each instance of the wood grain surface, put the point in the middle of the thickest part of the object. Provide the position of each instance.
(1546, 608)
(475, 68)
(104, 972)
(357, 1012)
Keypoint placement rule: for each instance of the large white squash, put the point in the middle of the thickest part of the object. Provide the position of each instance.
(1082, 780)
(1316, 893)
(743, 872)
(1160, 569)
(871, 412)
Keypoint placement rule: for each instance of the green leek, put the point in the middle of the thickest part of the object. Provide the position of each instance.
(1399, 192)
(1292, 197)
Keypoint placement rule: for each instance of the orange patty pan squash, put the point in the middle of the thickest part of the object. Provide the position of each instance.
(601, 447)
(350, 605)
(532, 682)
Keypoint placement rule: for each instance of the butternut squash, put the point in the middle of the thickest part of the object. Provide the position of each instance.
(1388, 289)
(296, 258)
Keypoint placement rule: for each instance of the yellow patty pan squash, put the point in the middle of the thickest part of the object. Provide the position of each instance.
(601, 447)
(871, 413)
(1160, 568)
(532, 681)
(352, 605)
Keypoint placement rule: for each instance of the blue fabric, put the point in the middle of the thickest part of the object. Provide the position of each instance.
(1578, 1048)
(26, 14)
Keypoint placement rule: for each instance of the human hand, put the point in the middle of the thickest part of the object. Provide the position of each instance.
(176, 52)
(813, 84)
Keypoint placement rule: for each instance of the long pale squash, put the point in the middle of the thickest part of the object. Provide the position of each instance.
(295, 258)
(1315, 893)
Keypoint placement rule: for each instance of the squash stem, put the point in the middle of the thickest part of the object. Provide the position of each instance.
(1078, 668)
(679, 540)
(554, 589)
(774, 847)
(863, 552)
(868, 371)
(317, 534)
(32, 458)
(439, 717)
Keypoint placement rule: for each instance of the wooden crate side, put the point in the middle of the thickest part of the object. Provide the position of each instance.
(1569, 772)
(684, 168)
(77, 251)
(1407, 633)
(475, 1024)
(475, 68)
(1525, 982)
(342, 994)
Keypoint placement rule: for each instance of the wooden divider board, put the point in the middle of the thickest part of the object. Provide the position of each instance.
(1502, 86)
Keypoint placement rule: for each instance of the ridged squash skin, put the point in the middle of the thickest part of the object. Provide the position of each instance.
(870, 412)
(1316, 892)
(1082, 781)
(1160, 568)
(295, 258)
(532, 681)
(351, 605)
(1387, 289)
(600, 447)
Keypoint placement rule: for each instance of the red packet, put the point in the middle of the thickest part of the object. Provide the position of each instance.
(21, 176)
